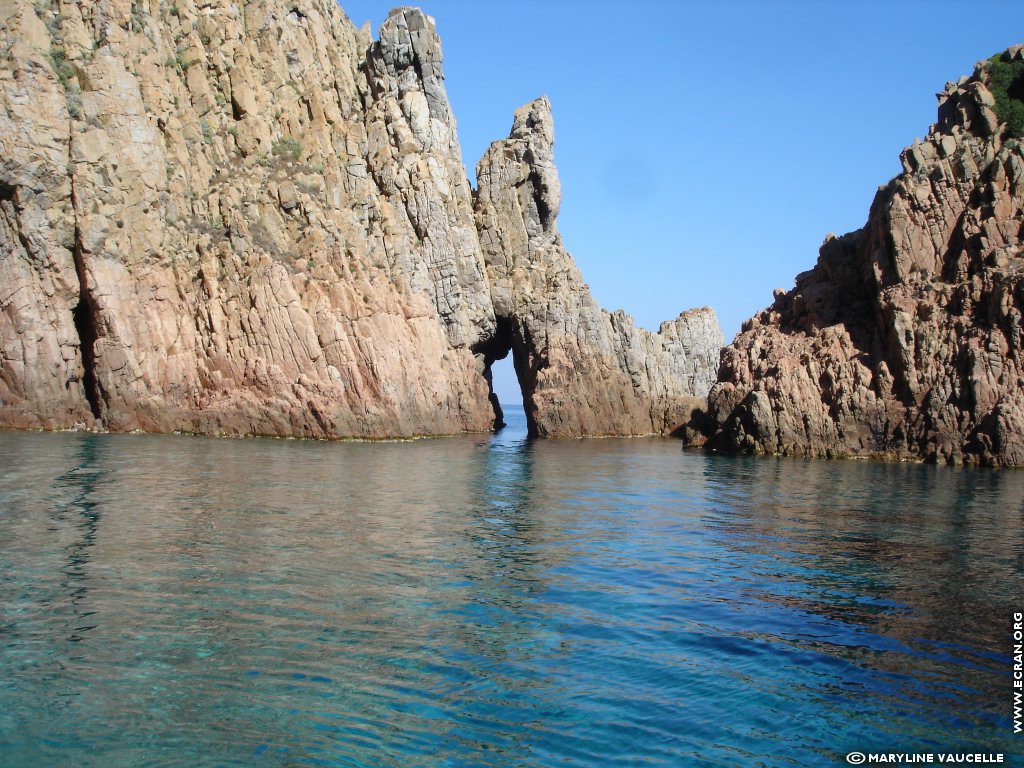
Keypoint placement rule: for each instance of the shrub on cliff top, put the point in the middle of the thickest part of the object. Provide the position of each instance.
(1006, 82)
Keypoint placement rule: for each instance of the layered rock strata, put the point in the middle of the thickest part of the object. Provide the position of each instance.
(584, 370)
(251, 218)
(905, 340)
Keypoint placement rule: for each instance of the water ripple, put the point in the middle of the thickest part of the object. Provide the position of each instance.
(494, 602)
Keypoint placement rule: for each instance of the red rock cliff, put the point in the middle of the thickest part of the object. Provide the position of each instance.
(905, 340)
(249, 218)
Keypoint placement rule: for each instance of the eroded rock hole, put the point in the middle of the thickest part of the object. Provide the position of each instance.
(502, 370)
(495, 368)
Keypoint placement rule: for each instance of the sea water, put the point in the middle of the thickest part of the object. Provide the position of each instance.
(496, 601)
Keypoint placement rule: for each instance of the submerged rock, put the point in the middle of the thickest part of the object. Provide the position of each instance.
(905, 340)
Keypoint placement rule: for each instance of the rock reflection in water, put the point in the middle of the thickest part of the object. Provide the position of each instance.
(493, 600)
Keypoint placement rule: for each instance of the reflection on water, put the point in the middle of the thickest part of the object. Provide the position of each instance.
(495, 601)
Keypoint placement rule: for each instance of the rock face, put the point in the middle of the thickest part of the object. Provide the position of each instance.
(905, 340)
(206, 229)
(251, 218)
(584, 370)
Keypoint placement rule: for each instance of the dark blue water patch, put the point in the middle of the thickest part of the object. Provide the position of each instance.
(495, 601)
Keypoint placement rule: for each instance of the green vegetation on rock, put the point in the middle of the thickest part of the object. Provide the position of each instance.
(1006, 82)
(289, 148)
(65, 72)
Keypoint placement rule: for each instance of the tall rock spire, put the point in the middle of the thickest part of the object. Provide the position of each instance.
(583, 370)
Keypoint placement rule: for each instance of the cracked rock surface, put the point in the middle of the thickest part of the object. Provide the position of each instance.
(253, 218)
(905, 340)
(264, 231)
(584, 370)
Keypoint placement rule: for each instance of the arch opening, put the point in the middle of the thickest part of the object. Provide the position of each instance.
(503, 372)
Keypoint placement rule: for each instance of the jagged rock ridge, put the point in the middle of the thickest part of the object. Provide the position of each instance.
(905, 340)
(563, 347)
(253, 219)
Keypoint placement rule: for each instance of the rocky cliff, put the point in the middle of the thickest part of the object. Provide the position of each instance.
(584, 370)
(252, 218)
(905, 340)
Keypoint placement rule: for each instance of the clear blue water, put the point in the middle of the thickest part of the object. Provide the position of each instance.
(492, 601)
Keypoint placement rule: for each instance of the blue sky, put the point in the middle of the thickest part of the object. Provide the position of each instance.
(706, 148)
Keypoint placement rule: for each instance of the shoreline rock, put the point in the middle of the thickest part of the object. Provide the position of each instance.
(905, 340)
(227, 218)
(585, 371)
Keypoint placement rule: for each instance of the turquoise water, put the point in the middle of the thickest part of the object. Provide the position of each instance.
(492, 601)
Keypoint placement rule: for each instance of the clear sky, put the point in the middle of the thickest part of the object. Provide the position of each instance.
(706, 148)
